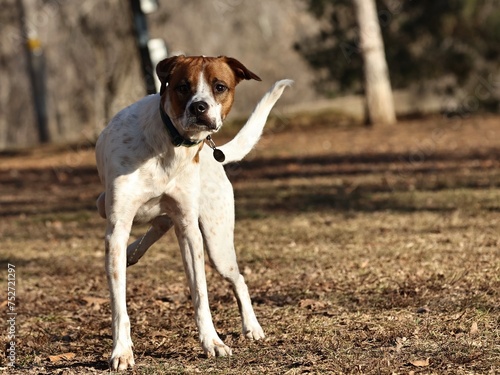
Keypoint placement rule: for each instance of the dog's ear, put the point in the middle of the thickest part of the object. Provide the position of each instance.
(240, 70)
(164, 70)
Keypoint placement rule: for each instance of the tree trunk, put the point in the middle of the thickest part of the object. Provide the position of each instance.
(380, 102)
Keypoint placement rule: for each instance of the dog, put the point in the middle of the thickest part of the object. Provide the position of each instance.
(159, 165)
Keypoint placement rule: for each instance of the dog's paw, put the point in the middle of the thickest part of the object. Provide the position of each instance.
(213, 346)
(121, 359)
(254, 331)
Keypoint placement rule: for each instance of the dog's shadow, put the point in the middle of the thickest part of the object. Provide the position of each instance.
(99, 365)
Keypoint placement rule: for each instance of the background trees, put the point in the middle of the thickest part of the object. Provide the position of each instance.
(445, 45)
(378, 93)
(451, 47)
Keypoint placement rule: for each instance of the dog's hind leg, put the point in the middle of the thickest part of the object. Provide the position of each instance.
(101, 205)
(217, 226)
(135, 251)
(159, 226)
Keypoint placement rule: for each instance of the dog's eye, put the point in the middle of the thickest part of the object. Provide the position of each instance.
(220, 88)
(182, 89)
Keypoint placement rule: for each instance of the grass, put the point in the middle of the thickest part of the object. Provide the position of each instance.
(359, 260)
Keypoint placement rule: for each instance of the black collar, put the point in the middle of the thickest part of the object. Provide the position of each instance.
(175, 137)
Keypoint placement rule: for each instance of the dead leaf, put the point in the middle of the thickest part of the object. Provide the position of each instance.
(161, 343)
(311, 304)
(158, 334)
(473, 329)
(420, 362)
(95, 302)
(61, 357)
(458, 316)
(400, 342)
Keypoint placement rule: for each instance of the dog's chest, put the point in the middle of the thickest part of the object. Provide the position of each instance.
(170, 203)
(170, 187)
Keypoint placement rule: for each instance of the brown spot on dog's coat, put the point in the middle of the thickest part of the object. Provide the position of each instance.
(196, 158)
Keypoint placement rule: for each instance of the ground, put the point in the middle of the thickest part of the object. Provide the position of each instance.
(366, 251)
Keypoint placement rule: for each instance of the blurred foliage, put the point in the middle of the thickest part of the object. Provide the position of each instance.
(424, 40)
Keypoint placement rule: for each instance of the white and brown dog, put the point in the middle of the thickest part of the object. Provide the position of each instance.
(154, 166)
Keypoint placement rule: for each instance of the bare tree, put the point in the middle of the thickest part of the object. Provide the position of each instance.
(379, 98)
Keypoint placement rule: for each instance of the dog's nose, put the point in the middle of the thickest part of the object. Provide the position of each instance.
(198, 108)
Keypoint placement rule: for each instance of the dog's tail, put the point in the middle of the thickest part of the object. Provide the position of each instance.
(249, 135)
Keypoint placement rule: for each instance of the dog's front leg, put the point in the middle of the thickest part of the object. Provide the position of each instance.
(191, 244)
(117, 234)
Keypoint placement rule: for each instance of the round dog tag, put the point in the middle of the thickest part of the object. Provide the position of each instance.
(219, 155)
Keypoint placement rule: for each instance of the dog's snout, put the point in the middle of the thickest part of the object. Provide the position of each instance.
(198, 108)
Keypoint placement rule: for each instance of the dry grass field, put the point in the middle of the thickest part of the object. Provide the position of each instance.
(366, 251)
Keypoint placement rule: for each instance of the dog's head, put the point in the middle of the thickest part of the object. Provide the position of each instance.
(197, 92)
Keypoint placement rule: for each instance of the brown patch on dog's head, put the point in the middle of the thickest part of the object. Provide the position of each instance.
(166, 67)
(164, 71)
(224, 73)
(240, 71)
(180, 82)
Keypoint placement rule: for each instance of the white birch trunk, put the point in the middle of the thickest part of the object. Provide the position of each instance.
(380, 102)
